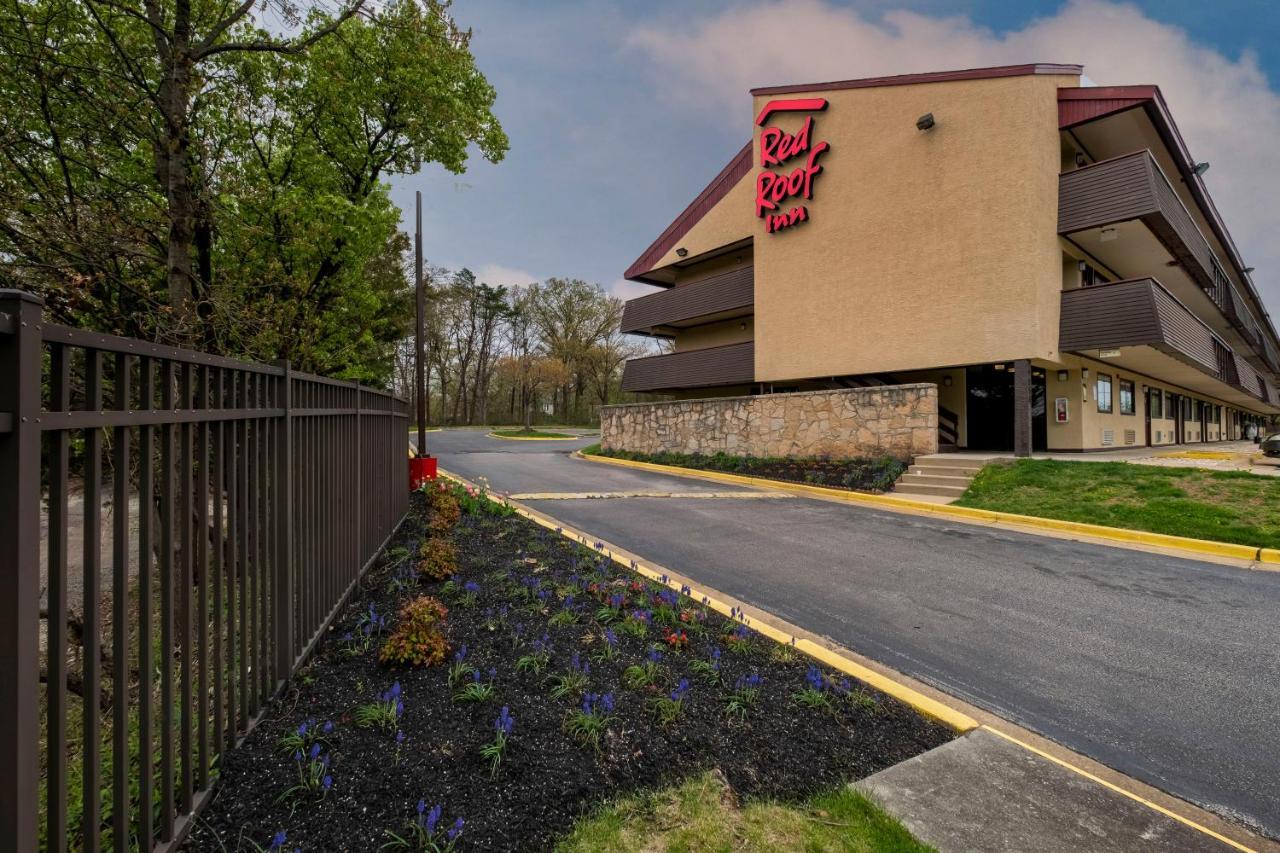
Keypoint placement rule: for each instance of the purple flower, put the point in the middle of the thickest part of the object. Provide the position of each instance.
(328, 726)
(471, 586)
(455, 830)
(505, 721)
(606, 702)
(461, 654)
(681, 689)
(278, 840)
(315, 751)
(610, 637)
(399, 737)
(654, 655)
(422, 807)
(815, 679)
(433, 819)
(327, 782)
(302, 730)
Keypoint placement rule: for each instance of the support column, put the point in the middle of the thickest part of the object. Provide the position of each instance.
(1022, 407)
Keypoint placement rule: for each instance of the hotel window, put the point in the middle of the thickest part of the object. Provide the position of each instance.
(1126, 397)
(1157, 403)
(1103, 393)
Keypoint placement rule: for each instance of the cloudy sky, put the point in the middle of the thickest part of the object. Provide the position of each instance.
(620, 112)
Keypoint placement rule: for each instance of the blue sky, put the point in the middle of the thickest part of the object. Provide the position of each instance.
(620, 112)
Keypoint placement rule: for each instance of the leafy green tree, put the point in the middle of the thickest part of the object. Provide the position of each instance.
(172, 170)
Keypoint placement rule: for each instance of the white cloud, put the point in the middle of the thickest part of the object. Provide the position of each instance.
(1224, 107)
(500, 276)
(624, 289)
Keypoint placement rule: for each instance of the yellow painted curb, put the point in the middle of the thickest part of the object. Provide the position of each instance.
(533, 437)
(1104, 783)
(1269, 555)
(932, 708)
(1196, 547)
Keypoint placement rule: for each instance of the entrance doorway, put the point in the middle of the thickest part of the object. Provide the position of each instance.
(1178, 411)
(989, 409)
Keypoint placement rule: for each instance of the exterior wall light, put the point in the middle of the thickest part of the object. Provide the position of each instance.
(946, 381)
(1199, 169)
(682, 252)
(1248, 270)
(1109, 234)
(925, 122)
(1062, 376)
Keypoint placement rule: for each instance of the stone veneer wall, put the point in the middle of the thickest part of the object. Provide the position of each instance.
(894, 420)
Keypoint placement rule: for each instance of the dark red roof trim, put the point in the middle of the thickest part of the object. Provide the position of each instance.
(927, 77)
(1074, 104)
(720, 185)
(1077, 106)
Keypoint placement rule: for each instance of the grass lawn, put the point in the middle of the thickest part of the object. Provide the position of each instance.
(1225, 506)
(703, 815)
(533, 433)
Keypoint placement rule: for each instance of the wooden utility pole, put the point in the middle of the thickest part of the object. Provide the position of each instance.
(419, 332)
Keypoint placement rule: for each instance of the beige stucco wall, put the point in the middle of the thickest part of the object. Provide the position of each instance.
(716, 334)
(1085, 427)
(895, 420)
(923, 248)
(731, 220)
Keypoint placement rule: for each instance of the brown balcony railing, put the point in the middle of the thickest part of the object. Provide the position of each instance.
(1134, 187)
(1141, 312)
(704, 368)
(721, 296)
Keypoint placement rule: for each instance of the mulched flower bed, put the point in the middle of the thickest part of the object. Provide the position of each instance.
(523, 592)
(861, 475)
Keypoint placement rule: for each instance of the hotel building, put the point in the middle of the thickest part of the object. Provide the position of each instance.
(1043, 251)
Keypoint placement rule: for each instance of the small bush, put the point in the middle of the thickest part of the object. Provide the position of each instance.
(418, 639)
(445, 511)
(439, 559)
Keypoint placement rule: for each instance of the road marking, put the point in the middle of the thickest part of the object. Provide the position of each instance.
(785, 633)
(577, 496)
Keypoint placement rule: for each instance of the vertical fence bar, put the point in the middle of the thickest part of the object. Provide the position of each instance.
(242, 540)
(91, 767)
(202, 573)
(120, 612)
(56, 692)
(231, 560)
(184, 590)
(219, 696)
(146, 497)
(167, 569)
(20, 368)
(283, 601)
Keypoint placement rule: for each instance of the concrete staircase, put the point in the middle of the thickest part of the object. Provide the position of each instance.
(942, 476)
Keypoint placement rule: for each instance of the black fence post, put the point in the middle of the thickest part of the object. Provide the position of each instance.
(283, 615)
(20, 370)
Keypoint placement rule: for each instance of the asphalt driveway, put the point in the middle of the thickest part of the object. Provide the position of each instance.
(1163, 668)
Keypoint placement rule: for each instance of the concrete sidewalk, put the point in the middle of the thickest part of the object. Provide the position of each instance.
(982, 792)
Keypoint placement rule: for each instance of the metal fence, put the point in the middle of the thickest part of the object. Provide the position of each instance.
(242, 502)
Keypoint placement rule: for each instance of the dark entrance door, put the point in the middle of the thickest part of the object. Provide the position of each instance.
(1175, 405)
(989, 409)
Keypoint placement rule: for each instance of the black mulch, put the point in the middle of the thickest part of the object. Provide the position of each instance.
(547, 779)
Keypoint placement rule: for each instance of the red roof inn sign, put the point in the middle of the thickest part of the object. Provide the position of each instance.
(779, 148)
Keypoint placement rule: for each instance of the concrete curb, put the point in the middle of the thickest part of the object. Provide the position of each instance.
(533, 437)
(1193, 548)
(831, 657)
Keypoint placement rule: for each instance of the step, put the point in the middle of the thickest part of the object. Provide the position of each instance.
(966, 471)
(908, 488)
(949, 461)
(932, 478)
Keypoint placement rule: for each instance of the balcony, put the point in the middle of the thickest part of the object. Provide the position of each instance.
(703, 368)
(1098, 206)
(720, 297)
(1156, 335)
